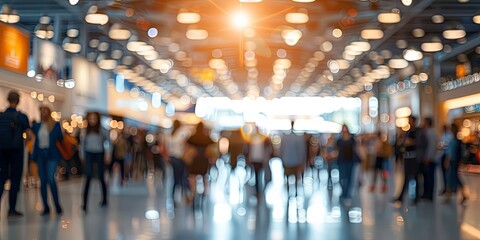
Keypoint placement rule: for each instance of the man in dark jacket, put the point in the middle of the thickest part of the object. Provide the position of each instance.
(11, 158)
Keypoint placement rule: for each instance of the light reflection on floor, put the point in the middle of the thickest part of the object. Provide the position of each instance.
(305, 209)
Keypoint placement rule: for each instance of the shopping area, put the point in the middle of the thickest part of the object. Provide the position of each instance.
(145, 64)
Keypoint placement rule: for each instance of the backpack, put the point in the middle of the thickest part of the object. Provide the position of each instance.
(10, 131)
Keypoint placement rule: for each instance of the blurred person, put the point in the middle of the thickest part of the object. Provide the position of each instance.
(92, 153)
(46, 155)
(383, 151)
(410, 162)
(200, 140)
(258, 150)
(399, 148)
(331, 156)
(443, 147)
(428, 149)
(346, 158)
(176, 150)
(199, 163)
(452, 162)
(11, 155)
(119, 153)
(293, 152)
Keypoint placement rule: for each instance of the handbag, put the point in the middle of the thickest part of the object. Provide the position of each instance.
(67, 147)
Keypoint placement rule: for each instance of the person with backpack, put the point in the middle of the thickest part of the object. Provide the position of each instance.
(12, 126)
(46, 155)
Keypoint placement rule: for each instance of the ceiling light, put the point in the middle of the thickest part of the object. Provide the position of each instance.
(188, 17)
(407, 2)
(418, 32)
(152, 32)
(240, 20)
(401, 44)
(342, 64)
(360, 46)
(412, 55)
(304, 1)
(390, 17)
(73, 2)
(438, 19)
(71, 43)
(337, 33)
(44, 29)
(433, 45)
(134, 44)
(118, 32)
(96, 16)
(476, 18)
(291, 36)
(106, 63)
(9, 15)
(454, 34)
(372, 33)
(299, 17)
(397, 63)
(196, 34)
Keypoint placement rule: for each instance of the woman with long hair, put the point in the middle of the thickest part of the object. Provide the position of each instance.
(92, 154)
(46, 154)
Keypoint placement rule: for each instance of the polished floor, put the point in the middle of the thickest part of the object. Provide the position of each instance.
(139, 210)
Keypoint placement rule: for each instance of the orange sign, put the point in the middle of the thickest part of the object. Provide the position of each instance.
(14, 49)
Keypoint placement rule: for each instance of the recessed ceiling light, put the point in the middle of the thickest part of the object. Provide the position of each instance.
(372, 33)
(438, 19)
(418, 32)
(390, 17)
(401, 44)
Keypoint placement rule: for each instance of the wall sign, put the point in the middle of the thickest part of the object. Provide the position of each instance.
(14, 49)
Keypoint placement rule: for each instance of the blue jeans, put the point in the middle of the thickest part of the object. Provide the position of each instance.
(46, 171)
(346, 171)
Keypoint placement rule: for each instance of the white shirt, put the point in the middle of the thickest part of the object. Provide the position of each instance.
(43, 137)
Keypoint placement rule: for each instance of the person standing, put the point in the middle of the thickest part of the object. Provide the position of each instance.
(11, 154)
(410, 163)
(383, 152)
(293, 151)
(428, 145)
(443, 145)
(258, 151)
(92, 154)
(347, 155)
(453, 159)
(46, 155)
(120, 151)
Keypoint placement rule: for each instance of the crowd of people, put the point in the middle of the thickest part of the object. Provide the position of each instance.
(188, 152)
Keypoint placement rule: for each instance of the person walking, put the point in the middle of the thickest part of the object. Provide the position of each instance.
(12, 150)
(347, 155)
(452, 162)
(410, 162)
(92, 154)
(46, 155)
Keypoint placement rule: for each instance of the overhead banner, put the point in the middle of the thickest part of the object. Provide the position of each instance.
(14, 49)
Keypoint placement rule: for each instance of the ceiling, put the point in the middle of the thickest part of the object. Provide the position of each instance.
(250, 55)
